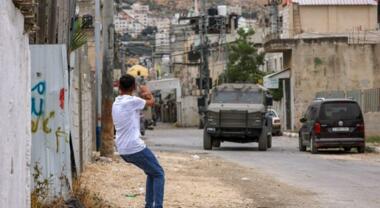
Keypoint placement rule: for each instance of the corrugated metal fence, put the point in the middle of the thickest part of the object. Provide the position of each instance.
(369, 100)
(51, 159)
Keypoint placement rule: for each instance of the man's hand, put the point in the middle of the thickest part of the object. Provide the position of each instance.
(146, 94)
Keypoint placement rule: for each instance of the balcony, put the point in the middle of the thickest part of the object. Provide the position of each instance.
(28, 9)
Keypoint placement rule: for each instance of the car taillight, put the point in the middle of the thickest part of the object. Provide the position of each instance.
(317, 128)
(360, 127)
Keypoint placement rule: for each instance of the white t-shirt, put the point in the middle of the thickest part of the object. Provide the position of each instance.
(126, 118)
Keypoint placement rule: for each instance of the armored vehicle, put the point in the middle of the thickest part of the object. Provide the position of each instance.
(238, 113)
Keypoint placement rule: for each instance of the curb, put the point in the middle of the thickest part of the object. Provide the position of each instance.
(290, 134)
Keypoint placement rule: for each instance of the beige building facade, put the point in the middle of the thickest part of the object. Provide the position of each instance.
(328, 17)
(330, 65)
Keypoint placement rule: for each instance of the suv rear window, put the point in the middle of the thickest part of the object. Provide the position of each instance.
(340, 111)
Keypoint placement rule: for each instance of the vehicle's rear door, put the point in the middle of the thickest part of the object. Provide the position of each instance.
(341, 119)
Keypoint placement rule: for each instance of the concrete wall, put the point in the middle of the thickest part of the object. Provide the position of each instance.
(326, 65)
(371, 121)
(15, 133)
(188, 109)
(329, 19)
(82, 115)
(189, 112)
(338, 19)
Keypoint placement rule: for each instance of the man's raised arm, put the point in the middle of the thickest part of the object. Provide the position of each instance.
(146, 94)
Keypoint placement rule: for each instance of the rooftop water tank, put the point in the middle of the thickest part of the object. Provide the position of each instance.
(222, 10)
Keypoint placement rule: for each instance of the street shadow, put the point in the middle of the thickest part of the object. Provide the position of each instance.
(242, 149)
(336, 152)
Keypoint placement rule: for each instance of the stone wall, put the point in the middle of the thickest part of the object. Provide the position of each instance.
(372, 123)
(332, 64)
(15, 125)
(189, 112)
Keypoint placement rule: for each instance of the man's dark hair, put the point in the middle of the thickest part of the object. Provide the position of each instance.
(127, 82)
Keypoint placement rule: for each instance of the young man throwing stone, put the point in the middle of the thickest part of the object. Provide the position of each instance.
(126, 117)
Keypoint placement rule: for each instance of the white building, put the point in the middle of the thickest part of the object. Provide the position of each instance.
(140, 13)
(162, 34)
(134, 20)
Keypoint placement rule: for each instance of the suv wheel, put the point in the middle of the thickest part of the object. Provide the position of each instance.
(313, 148)
(201, 124)
(301, 147)
(361, 149)
(347, 149)
(263, 141)
(207, 141)
(216, 143)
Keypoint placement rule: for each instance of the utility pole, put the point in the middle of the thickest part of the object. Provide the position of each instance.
(107, 142)
(98, 77)
(52, 22)
(204, 73)
(171, 38)
(123, 54)
(41, 22)
(224, 44)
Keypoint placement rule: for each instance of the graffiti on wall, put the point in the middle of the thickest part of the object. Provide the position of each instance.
(42, 119)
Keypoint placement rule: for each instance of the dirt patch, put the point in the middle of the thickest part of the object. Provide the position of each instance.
(197, 181)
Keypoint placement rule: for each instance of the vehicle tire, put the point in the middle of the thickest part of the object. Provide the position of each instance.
(143, 133)
(216, 143)
(313, 148)
(263, 141)
(301, 147)
(269, 141)
(201, 124)
(361, 149)
(347, 149)
(207, 141)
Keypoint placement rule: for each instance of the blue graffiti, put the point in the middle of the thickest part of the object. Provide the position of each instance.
(40, 88)
(34, 111)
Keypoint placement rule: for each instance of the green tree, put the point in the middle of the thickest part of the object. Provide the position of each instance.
(78, 36)
(244, 60)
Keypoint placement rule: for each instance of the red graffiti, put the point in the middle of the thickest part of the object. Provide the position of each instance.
(62, 98)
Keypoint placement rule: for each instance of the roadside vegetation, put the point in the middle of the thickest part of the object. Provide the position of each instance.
(81, 197)
(373, 139)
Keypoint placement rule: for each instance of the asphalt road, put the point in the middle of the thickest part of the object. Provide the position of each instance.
(338, 179)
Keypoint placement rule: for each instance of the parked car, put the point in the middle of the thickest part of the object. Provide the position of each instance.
(237, 113)
(276, 122)
(332, 123)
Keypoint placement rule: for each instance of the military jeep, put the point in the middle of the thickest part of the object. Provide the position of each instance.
(237, 113)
